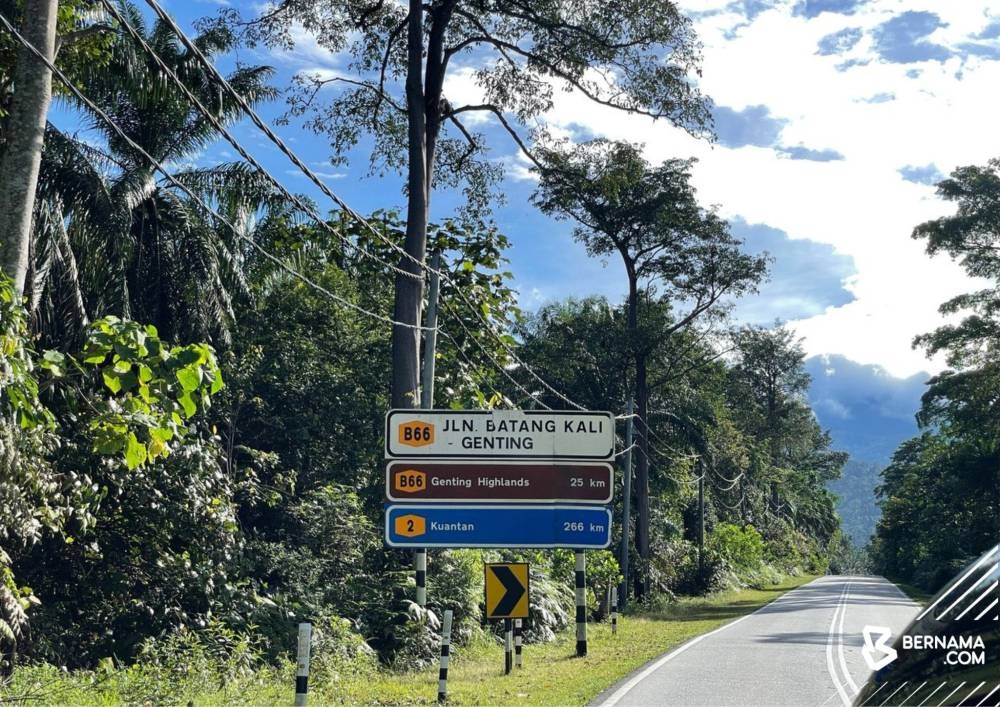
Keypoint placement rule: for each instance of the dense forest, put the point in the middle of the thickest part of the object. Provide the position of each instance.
(197, 361)
(940, 496)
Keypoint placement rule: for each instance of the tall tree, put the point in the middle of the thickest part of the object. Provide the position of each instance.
(650, 217)
(769, 381)
(952, 471)
(113, 237)
(633, 56)
(767, 393)
(25, 132)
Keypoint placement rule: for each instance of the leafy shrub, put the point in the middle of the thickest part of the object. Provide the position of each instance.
(743, 548)
(552, 606)
(171, 667)
(337, 651)
(165, 545)
(455, 582)
(711, 574)
(602, 570)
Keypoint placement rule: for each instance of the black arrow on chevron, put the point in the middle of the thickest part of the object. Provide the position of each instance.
(514, 591)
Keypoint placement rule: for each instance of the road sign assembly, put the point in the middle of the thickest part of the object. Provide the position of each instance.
(498, 478)
(506, 590)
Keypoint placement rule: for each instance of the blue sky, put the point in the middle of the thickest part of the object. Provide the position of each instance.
(834, 119)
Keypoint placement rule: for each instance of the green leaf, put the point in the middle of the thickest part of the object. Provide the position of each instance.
(135, 452)
(112, 382)
(188, 404)
(54, 357)
(217, 382)
(189, 377)
(162, 434)
(54, 362)
(156, 448)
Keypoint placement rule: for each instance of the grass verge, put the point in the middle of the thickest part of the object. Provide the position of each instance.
(552, 674)
(915, 593)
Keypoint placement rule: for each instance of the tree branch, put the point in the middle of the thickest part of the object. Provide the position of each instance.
(71, 38)
(468, 137)
(393, 36)
(490, 108)
(568, 78)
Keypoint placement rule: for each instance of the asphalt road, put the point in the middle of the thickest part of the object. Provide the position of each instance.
(802, 649)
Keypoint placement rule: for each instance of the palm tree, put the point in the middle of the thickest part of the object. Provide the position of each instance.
(113, 236)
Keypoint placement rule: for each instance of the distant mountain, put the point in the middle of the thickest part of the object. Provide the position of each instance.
(868, 413)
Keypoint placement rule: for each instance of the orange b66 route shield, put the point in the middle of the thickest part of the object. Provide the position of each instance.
(524, 482)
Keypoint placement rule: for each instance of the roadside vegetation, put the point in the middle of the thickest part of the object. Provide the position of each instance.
(194, 375)
(213, 666)
(940, 495)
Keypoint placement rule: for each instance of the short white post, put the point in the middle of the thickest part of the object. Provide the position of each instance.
(614, 610)
(445, 656)
(302, 664)
(518, 639)
(508, 646)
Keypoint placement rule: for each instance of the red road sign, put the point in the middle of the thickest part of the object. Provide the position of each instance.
(474, 480)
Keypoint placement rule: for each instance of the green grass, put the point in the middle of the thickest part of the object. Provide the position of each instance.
(552, 674)
(915, 593)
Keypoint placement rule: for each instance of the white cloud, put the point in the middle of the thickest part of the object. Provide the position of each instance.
(322, 175)
(307, 53)
(861, 205)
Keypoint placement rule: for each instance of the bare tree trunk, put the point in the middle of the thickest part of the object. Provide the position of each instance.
(25, 133)
(409, 290)
(642, 477)
(640, 488)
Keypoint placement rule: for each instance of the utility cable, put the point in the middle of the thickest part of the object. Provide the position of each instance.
(262, 125)
(197, 199)
(454, 315)
(222, 130)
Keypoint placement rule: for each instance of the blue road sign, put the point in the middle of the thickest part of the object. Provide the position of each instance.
(580, 527)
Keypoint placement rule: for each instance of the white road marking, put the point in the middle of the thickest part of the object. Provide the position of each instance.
(840, 644)
(618, 694)
(830, 667)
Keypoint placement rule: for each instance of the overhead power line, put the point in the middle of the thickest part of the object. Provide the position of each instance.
(454, 315)
(284, 149)
(197, 199)
(272, 136)
(224, 131)
(732, 482)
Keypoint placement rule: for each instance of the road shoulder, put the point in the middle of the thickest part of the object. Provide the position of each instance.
(740, 611)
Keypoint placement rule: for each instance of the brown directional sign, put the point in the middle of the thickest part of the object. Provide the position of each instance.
(475, 480)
